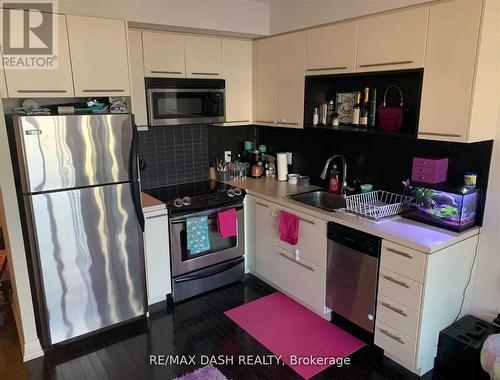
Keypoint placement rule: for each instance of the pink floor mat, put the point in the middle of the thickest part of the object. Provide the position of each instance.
(292, 331)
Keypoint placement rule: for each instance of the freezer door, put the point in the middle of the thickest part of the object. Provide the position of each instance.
(63, 152)
(88, 255)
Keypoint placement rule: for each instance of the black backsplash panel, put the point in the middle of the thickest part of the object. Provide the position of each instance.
(221, 139)
(174, 154)
(383, 161)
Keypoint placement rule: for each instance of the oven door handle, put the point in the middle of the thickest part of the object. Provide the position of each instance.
(217, 271)
(182, 218)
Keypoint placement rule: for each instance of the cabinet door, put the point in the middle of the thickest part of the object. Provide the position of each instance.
(392, 41)
(203, 57)
(449, 70)
(331, 49)
(266, 81)
(302, 280)
(237, 71)
(265, 232)
(292, 50)
(312, 244)
(163, 54)
(157, 255)
(138, 91)
(98, 56)
(45, 83)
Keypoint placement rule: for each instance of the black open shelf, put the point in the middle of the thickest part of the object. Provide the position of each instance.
(323, 88)
(362, 131)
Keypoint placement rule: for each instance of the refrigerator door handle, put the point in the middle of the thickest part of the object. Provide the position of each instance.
(135, 188)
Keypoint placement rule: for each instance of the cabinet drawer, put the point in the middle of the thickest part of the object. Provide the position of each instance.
(402, 260)
(400, 288)
(426, 178)
(397, 315)
(395, 343)
(312, 242)
(426, 170)
(302, 280)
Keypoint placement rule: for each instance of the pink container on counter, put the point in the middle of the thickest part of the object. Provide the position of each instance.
(429, 170)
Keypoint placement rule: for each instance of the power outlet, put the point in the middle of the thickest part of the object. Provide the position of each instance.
(227, 156)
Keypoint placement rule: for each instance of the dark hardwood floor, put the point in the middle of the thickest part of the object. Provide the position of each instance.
(197, 326)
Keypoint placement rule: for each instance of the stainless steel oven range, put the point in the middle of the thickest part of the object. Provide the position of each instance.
(223, 262)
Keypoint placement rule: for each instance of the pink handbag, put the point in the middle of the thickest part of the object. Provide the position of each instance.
(391, 117)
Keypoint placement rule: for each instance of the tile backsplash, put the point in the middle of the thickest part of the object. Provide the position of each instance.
(173, 155)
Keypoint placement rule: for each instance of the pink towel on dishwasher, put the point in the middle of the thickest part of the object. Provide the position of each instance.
(289, 228)
(226, 221)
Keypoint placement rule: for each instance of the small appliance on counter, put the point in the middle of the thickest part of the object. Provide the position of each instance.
(444, 205)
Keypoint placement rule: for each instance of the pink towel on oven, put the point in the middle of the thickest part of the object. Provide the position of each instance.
(226, 221)
(289, 228)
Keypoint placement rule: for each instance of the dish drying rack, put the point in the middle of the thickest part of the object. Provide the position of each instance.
(377, 204)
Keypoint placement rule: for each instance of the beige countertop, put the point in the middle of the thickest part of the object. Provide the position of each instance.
(399, 230)
(150, 203)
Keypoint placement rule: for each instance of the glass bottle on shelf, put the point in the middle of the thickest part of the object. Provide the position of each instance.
(356, 109)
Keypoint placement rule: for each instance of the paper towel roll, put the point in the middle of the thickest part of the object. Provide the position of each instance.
(282, 166)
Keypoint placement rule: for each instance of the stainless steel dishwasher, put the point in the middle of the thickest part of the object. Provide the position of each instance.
(352, 275)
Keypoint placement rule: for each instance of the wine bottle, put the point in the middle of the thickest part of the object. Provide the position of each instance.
(356, 109)
(372, 112)
(363, 111)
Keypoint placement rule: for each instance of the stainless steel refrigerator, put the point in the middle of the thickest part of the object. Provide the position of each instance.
(81, 195)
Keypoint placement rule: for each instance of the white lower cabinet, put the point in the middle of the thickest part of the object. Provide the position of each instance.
(416, 300)
(265, 235)
(302, 279)
(157, 255)
(299, 271)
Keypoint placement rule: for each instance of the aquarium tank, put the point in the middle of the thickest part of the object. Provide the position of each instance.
(452, 207)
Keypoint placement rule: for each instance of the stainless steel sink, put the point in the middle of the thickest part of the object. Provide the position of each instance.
(320, 199)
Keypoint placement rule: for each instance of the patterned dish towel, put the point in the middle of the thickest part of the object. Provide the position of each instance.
(197, 234)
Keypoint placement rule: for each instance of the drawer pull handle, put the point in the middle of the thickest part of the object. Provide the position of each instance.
(277, 215)
(400, 253)
(296, 262)
(440, 134)
(262, 204)
(164, 72)
(329, 68)
(400, 283)
(307, 221)
(394, 309)
(392, 336)
(41, 91)
(194, 73)
(265, 121)
(105, 90)
(386, 63)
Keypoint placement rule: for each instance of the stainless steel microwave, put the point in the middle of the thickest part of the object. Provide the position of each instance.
(175, 101)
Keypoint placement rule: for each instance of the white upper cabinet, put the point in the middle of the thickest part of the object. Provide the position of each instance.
(292, 50)
(461, 78)
(98, 56)
(331, 49)
(237, 71)
(266, 80)
(138, 90)
(203, 57)
(392, 41)
(37, 83)
(164, 54)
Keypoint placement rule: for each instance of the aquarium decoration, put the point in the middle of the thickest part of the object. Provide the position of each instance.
(451, 207)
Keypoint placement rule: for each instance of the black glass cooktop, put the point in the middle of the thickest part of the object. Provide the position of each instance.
(199, 195)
